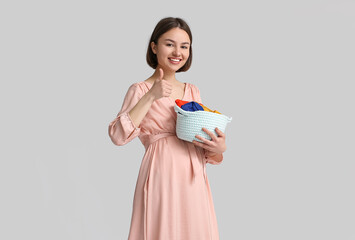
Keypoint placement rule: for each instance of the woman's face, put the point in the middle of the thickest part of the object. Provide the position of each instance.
(172, 49)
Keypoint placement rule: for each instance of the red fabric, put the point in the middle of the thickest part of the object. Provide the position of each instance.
(180, 102)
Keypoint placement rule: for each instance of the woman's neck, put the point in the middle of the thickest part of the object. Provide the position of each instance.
(168, 76)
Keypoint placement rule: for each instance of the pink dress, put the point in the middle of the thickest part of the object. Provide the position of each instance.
(172, 199)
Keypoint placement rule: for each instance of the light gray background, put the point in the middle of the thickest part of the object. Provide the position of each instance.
(284, 70)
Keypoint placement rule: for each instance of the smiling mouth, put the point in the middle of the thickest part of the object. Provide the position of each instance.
(175, 60)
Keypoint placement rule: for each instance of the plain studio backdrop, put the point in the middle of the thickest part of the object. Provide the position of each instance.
(283, 70)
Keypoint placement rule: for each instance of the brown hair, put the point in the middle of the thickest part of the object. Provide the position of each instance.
(162, 27)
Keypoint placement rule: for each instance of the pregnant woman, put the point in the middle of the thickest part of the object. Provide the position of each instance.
(172, 199)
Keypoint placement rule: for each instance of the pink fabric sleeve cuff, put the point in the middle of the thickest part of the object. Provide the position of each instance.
(122, 129)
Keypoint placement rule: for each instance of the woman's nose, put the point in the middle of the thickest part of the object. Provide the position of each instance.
(176, 52)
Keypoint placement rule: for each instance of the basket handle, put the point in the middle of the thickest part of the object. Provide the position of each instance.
(180, 111)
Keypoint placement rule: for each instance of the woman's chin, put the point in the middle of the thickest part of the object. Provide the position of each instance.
(171, 69)
(175, 67)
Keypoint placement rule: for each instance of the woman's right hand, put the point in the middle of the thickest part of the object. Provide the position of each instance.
(161, 88)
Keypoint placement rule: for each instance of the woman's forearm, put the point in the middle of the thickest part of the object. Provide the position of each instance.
(139, 111)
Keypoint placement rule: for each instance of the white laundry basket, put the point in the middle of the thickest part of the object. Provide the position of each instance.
(189, 124)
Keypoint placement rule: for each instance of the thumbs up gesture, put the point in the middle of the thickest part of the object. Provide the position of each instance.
(161, 88)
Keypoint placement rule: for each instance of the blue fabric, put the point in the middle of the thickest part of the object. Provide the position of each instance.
(192, 106)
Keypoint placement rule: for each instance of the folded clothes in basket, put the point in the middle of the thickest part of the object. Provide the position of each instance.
(193, 106)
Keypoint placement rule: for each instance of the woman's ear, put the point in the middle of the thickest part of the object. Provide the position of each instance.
(154, 47)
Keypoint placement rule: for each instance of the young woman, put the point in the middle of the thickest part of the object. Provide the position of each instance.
(172, 199)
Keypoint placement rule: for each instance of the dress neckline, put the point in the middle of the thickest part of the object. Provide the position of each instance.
(173, 100)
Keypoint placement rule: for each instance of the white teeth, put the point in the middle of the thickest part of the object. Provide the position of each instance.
(175, 60)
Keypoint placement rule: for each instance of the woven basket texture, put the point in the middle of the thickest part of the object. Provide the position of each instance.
(189, 124)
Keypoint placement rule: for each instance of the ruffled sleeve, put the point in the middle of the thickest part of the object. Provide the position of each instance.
(216, 159)
(122, 129)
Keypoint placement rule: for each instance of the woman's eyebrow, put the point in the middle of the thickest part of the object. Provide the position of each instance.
(174, 41)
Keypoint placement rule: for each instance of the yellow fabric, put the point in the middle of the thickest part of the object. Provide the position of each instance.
(209, 110)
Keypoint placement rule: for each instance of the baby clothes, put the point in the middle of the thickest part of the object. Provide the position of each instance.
(193, 106)
(209, 110)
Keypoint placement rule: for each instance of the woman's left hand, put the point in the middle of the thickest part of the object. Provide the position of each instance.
(216, 145)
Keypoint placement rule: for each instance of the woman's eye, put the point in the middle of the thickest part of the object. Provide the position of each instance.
(184, 47)
(169, 44)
